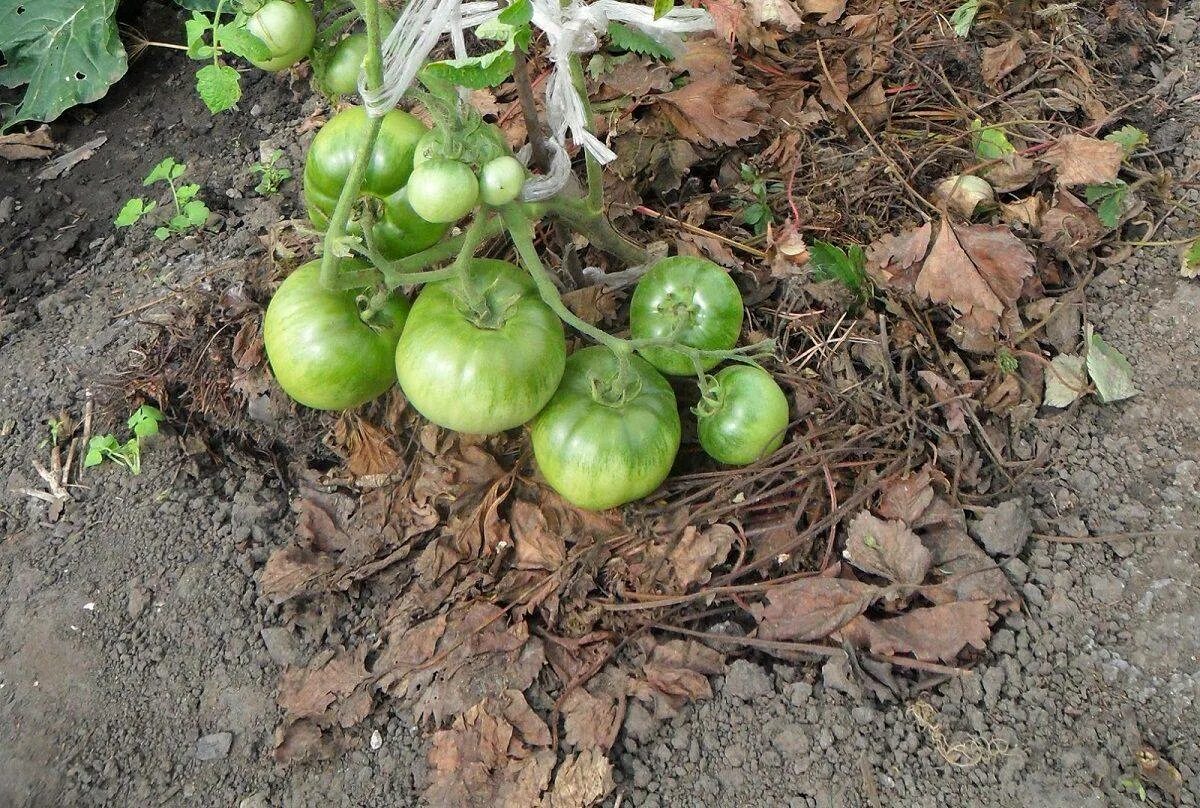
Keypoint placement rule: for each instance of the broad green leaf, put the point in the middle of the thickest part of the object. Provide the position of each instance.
(1111, 196)
(1109, 370)
(475, 72)
(99, 447)
(187, 193)
(964, 17)
(517, 13)
(195, 30)
(131, 211)
(1130, 138)
(990, 142)
(162, 171)
(1190, 260)
(635, 41)
(145, 420)
(67, 52)
(219, 87)
(662, 8)
(195, 212)
(1065, 381)
(495, 30)
(162, 233)
(236, 39)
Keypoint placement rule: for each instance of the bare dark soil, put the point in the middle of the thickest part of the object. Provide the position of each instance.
(134, 643)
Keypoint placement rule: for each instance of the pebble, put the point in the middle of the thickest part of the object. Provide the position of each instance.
(214, 746)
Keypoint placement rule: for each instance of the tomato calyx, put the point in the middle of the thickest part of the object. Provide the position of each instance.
(620, 388)
(711, 398)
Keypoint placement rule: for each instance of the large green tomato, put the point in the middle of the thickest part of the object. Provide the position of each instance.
(690, 300)
(322, 354)
(287, 29)
(398, 231)
(481, 372)
(601, 454)
(344, 65)
(442, 190)
(747, 418)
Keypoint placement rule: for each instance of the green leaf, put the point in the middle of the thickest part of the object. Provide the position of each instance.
(1065, 381)
(162, 171)
(195, 30)
(662, 8)
(1130, 138)
(1190, 260)
(1111, 196)
(67, 52)
(195, 213)
(964, 17)
(990, 142)
(635, 41)
(186, 193)
(145, 420)
(516, 14)
(833, 263)
(219, 87)
(1109, 370)
(475, 72)
(99, 447)
(162, 233)
(236, 39)
(131, 211)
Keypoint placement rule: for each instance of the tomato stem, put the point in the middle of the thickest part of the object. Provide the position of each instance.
(373, 63)
(472, 298)
(580, 217)
(595, 174)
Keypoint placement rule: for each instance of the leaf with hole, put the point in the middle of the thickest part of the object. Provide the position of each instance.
(65, 52)
(475, 72)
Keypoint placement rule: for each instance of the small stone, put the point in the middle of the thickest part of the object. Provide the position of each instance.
(256, 800)
(1005, 529)
(139, 596)
(214, 746)
(746, 681)
(1106, 587)
(281, 645)
(376, 740)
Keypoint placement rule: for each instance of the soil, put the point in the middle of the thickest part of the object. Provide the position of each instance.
(138, 663)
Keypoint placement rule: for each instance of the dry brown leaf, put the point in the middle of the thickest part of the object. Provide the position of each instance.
(677, 672)
(966, 571)
(895, 260)
(887, 549)
(366, 448)
(1071, 227)
(830, 10)
(934, 634)
(310, 692)
(727, 17)
(1001, 60)
(906, 497)
(302, 741)
(294, 571)
(33, 145)
(697, 551)
(778, 12)
(592, 720)
(979, 270)
(1012, 173)
(636, 78)
(871, 105)
(537, 547)
(811, 608)
(1083, 160)
(1026, 212)
(711, 111)
(582, 780)
(592, 304)
(946, 394)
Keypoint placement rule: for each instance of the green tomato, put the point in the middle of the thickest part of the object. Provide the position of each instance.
(344, 65)
(481, 372)
(501, 180)
(287, 29)
(322, 353)
(746, 418)
(442, 190)
(398, 230)
(429, 147)
(598, 453)
(690, 300)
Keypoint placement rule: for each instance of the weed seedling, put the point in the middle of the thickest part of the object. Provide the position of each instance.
(190, 212)
(271, 176)
(143, 423)
(758, 213)
(848, 267)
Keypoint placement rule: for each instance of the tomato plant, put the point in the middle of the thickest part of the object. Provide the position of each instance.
(398, 230)
(601, 444)
(288, 30)
(482, 365)
(690, 301)
(344, 65)
(321, 351)
(743, 415)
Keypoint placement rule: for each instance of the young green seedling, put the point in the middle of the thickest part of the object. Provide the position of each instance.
(271, 176)
(190, 212)
(848, 266)
(758, 213)
(144, 423)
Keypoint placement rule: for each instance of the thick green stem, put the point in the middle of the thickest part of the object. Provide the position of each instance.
(597, 228)
(470, 295)
(373, 63)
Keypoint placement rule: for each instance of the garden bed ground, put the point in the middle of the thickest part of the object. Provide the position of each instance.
(139, 659)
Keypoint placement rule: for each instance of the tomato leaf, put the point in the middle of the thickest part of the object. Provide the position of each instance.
(194, 31)
(219, 87)
(195, 213)
(662, 8)
(1111, 196)
(516, 14)
(237, 40)
(475, 72)
(163, 171)
(1130, 138)
(162, 233)
(635, 41)
(67, 52)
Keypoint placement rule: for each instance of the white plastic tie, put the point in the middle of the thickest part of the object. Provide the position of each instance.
(544, 186)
